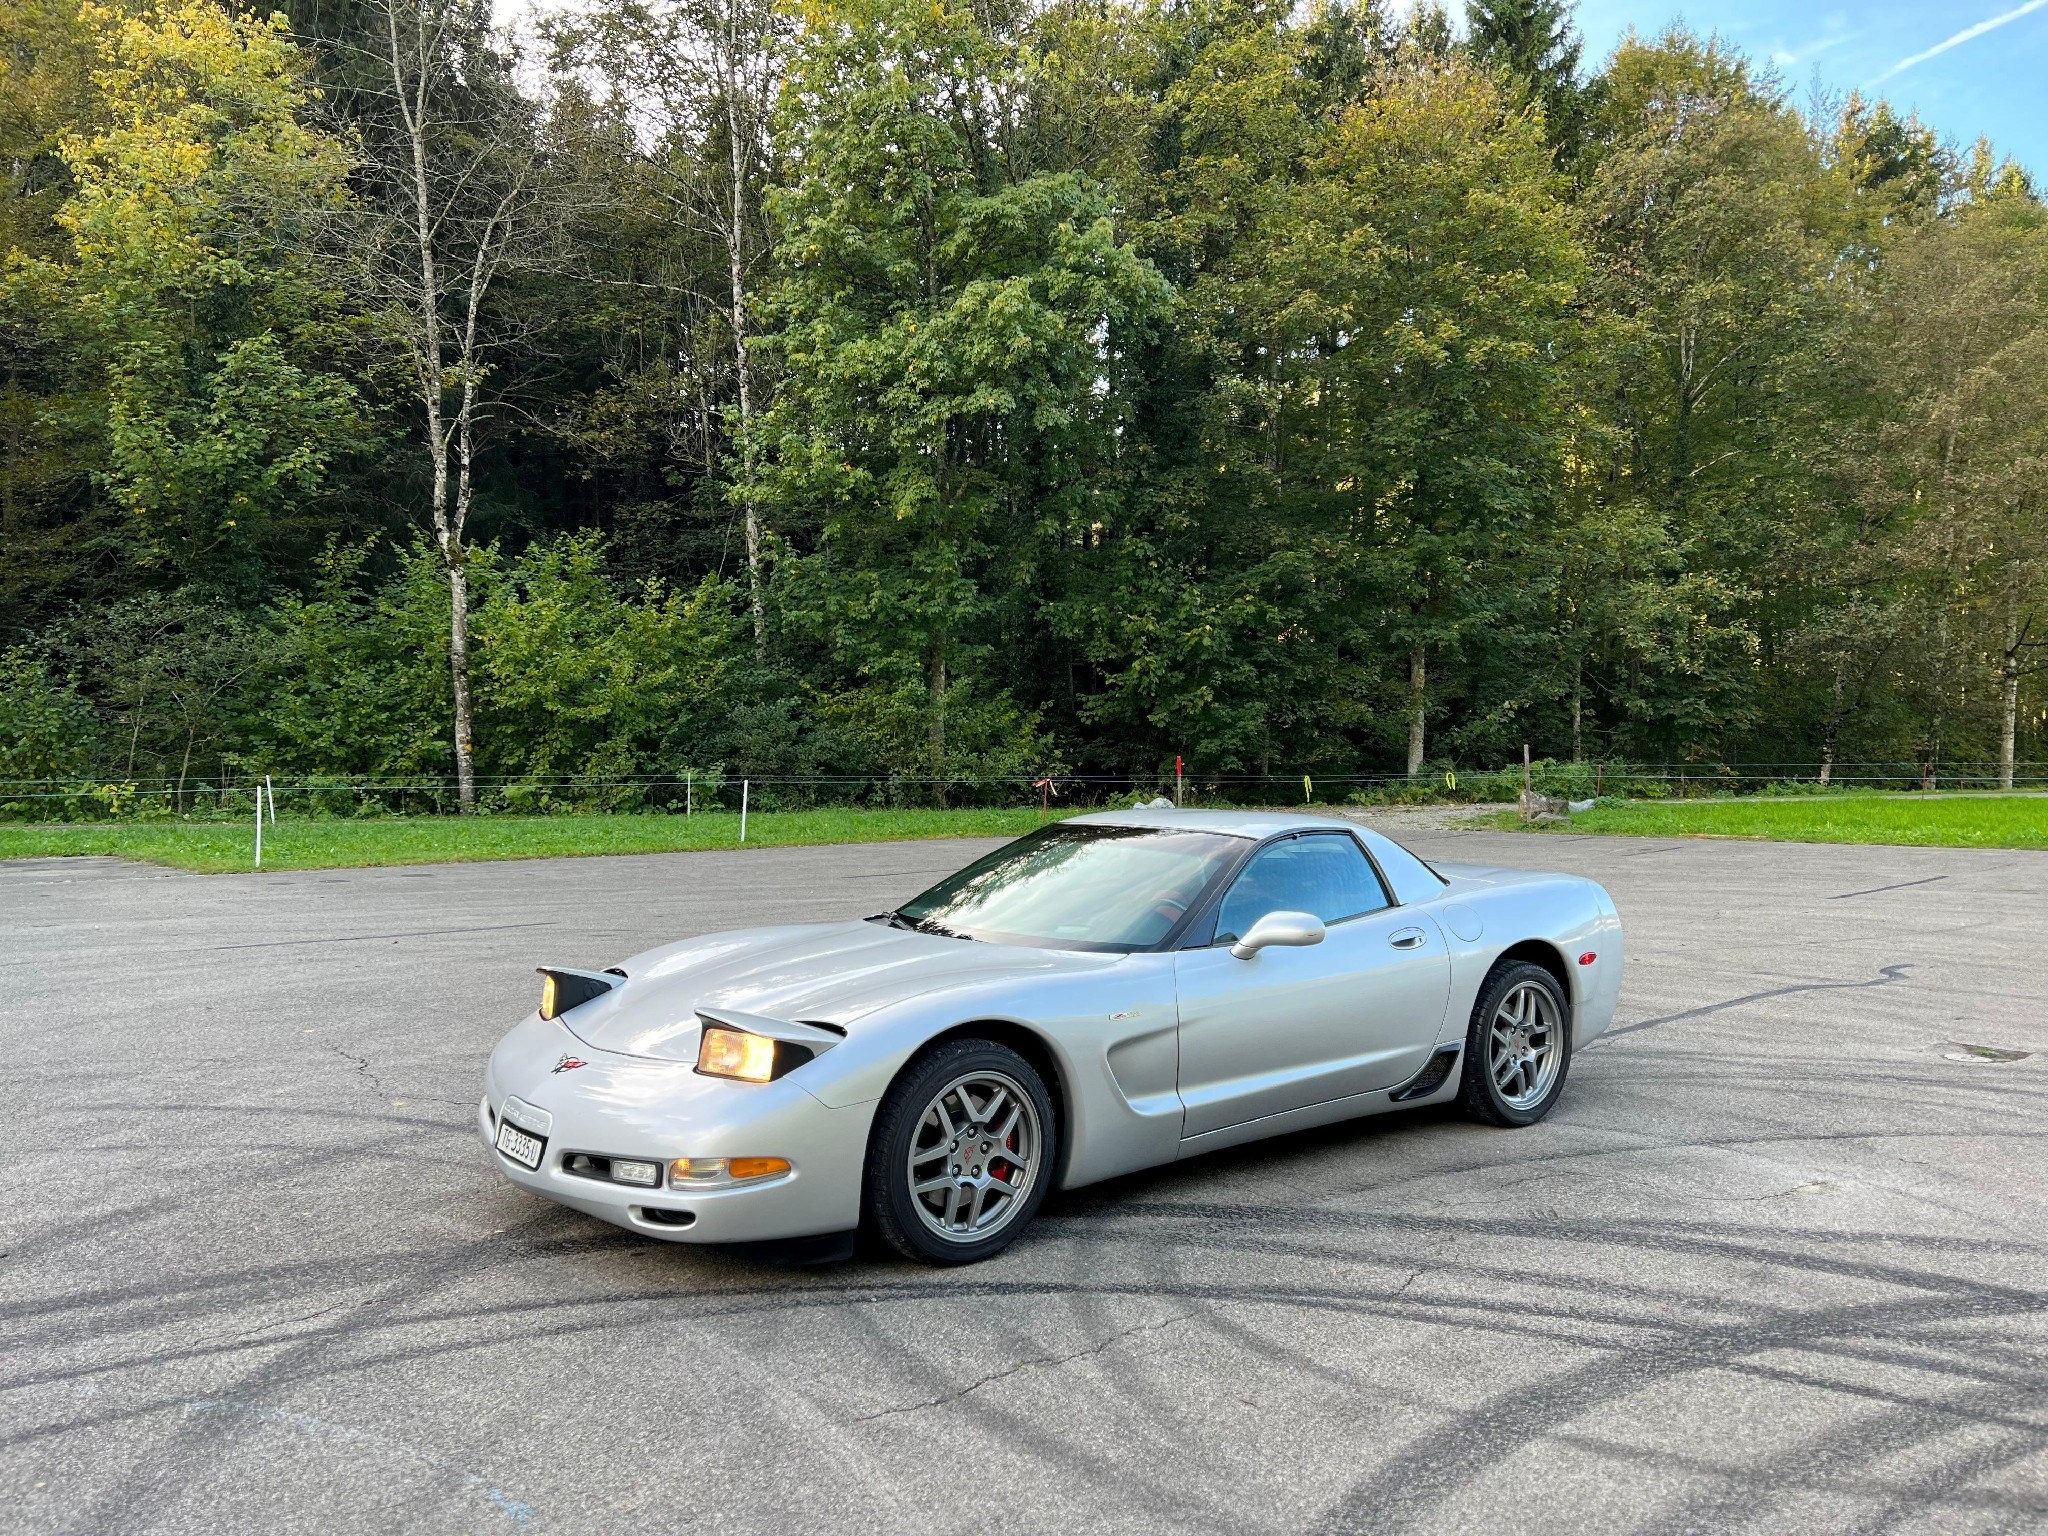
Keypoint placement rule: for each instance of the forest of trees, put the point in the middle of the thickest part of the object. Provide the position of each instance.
(934, 389)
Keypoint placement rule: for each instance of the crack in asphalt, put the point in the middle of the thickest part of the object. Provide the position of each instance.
(240, 1335)
(1025, 1365)
(1885, 977)
(360, 1064)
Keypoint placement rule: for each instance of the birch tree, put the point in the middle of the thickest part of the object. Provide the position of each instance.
(697, 80)
(458, 197)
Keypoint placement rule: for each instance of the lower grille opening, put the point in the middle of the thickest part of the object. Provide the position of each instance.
(668, 1218)
(1430, 1078)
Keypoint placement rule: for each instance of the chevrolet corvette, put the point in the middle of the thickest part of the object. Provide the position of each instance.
(1109, 993)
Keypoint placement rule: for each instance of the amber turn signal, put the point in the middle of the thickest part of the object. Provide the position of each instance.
(712, 1172)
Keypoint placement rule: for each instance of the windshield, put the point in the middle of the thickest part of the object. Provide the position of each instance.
(1077, 887)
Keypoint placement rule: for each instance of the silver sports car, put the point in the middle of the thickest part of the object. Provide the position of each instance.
(1106, 994)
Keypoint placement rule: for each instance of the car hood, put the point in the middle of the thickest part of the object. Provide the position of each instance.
(835, 973)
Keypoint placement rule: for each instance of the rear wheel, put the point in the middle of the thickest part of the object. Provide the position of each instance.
(1518, 1047)
(962, 1153)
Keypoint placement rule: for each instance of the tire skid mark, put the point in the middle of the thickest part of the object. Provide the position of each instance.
(1900, 1425)
(1887, 975)
(1270, 1224)
(1404, 1302)
(1396, 1495)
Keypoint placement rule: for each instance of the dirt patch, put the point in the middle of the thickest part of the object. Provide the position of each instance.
(1397, 819)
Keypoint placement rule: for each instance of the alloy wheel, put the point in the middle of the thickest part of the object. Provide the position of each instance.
(975, 1156)
(1526, 1045)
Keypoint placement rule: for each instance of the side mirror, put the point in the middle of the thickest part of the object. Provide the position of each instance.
(1293, 929)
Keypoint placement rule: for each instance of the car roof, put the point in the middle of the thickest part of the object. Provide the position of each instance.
(1254, 824)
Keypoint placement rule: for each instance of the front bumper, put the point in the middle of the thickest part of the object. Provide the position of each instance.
(630, 1106)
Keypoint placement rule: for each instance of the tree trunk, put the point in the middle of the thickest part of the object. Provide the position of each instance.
(936, 724)
(1681, 457)
(1579, 710)
(411, 90)
(1937, 717)
(1832, 735)
(135, 730)
(457, 556)
(735, 250)
(2009, 705)
(458, 669)
(1418, 686)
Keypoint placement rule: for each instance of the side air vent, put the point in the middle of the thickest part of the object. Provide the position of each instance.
(1433, 1075)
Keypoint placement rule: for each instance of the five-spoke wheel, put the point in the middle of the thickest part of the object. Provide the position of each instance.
(1525, 1047)
(1518, 1047)
(963, 1149)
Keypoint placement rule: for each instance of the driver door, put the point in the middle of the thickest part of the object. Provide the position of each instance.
(1289, 1028)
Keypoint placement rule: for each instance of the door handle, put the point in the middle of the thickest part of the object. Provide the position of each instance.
(1409, 938)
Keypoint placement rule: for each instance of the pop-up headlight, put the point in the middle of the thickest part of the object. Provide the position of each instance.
(749, 1048)
(562, 988)
(750, 1058)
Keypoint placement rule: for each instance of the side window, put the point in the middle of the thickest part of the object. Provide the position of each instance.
(1322, 872)
(1411, 879)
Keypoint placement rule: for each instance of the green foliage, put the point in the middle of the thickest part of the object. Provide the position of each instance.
(580, 679)
(943, 327)
(1077, 386)
(1532, 45)
(357, 681)
(47, 728)
(192, 211)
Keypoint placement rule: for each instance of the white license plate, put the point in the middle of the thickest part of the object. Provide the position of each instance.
(523, 1149)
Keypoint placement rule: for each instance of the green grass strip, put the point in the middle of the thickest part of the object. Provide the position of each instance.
(1944, 821)
(226, 847)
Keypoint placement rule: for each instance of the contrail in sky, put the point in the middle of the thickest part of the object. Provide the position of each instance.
(1992, 25)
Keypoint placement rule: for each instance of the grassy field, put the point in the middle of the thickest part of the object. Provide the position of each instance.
(219, 847)
(1949, 821)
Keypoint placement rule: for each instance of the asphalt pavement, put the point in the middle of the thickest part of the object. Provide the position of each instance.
(1779, 1262)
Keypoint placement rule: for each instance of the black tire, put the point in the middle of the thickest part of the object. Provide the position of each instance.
(909, 1118)
(1479, 1093)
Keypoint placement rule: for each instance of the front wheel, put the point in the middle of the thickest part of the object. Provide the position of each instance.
(962, 1153)
(1518, 1048)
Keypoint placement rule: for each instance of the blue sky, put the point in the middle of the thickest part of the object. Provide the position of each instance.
(1994, 82)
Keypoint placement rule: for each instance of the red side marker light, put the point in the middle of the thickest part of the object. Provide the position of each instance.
(1588, 958)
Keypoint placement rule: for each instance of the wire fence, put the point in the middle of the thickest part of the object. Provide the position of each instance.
(712, 791)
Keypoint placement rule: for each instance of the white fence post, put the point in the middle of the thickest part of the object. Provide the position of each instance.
(689, 791)
(272, 794)
(259, 826)
(745, 786)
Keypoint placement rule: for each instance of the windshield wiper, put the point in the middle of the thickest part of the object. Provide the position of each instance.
(913, 925)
